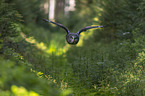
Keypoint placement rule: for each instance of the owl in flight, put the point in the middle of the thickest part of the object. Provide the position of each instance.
(72, 38)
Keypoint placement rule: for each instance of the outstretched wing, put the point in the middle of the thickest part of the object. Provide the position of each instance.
(60, 25)
(88, 27)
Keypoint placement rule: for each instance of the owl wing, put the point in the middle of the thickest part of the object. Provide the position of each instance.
(60, 25)
(88, 27)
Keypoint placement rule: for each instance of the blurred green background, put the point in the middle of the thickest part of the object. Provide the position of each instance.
(35, 59)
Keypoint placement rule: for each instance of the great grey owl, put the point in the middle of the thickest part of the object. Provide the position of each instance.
(72, 38)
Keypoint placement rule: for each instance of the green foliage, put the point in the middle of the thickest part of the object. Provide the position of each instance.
(14, 75)
(120, 18)
(30, 10)
(107, 64)
(37, 61)
(9, 24)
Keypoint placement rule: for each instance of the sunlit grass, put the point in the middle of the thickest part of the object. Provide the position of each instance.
(63, 84)
(96, 19)
(21, 91)
(140, 61)
(86, 35)
(41, 75)
(52, 48)
(66, 92)
(135, 76)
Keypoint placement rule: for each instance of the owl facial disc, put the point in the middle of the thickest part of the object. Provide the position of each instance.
(72, 38)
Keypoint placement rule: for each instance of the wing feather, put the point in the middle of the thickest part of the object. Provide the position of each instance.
(88, 27)
(60, 25)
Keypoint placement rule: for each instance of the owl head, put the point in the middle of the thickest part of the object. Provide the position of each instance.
(72, 38)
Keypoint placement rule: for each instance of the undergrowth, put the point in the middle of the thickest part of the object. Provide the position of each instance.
(36, 60)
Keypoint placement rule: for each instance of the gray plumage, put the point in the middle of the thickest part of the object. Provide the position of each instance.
(72, 38)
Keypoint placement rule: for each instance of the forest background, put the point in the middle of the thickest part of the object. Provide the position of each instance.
(35, 59)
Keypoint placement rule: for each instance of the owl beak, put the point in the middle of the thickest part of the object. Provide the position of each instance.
(73, 40)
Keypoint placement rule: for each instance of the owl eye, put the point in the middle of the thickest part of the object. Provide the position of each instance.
(72, 37)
